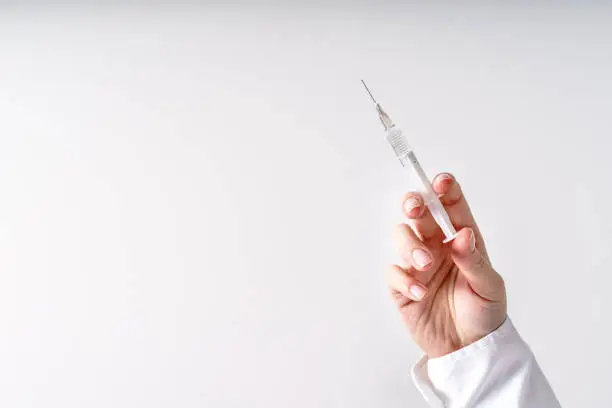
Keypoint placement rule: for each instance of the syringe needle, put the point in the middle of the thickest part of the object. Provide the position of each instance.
(384, 118)
(369, 93)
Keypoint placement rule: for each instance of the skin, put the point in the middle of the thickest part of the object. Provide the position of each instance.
(448, 295)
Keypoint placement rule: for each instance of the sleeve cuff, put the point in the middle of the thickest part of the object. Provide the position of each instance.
(450, 377)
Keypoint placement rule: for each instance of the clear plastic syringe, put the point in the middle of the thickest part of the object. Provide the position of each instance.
(406, 156)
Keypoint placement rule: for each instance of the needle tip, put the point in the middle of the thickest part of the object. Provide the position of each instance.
(368, 90)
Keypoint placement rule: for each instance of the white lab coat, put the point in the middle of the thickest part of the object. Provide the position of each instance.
(497, 371)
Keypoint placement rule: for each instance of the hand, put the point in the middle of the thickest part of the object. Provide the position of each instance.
(449, 296)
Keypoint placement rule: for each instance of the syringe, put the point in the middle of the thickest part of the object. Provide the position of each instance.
(406, 156)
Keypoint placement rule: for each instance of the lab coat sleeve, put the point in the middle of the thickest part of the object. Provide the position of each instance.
(498, 371)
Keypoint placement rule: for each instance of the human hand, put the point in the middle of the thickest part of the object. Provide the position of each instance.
(448, 295)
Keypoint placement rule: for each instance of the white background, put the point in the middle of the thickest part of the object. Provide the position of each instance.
(197, 202)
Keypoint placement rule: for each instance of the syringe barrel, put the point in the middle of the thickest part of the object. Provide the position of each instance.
(406, 156)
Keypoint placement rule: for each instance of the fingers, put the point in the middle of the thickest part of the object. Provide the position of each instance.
(420, 218)
(413, 205)
(482, 278)
(451, 196)
(411, 248)
(404, 286)
(455, 204)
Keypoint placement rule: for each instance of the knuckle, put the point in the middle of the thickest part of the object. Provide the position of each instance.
(399, 232)
(391, 273)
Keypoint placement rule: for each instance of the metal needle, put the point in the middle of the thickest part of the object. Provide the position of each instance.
(369, 93)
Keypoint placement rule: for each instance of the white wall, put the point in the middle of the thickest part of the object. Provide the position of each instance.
(196, 203)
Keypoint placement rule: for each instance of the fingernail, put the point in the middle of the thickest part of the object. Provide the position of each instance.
(472, 241)
(411, 204)
(421, 257)
(418, 291)
(444, 177)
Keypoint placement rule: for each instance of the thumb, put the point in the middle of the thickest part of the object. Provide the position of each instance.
(476, 268)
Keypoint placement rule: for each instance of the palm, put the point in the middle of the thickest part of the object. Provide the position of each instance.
(452, 314)
(445, 320)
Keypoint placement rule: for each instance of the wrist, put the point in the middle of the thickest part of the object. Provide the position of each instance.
(456, 341)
